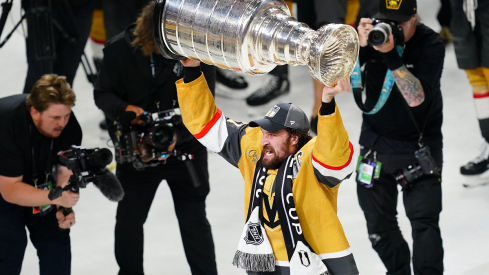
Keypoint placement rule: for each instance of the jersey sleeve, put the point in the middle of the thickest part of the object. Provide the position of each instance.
(207, 123)
(333, 152)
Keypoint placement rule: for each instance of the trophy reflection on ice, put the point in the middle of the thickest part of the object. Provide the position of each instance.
(252, 36)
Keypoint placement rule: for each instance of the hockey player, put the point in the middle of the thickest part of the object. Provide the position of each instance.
(291, 181)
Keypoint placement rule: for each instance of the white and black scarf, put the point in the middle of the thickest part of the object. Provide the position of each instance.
(254, 250)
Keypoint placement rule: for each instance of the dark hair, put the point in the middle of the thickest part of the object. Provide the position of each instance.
(304, 137)
(50, 88)
(144, 31)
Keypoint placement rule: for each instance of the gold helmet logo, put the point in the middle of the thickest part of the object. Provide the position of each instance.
(393, 4)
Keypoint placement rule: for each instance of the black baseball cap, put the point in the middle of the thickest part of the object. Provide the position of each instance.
(396, 10)
(281, 116)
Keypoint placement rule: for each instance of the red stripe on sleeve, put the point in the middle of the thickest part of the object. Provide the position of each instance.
(209, 125)
(339, 167)
(484, 95)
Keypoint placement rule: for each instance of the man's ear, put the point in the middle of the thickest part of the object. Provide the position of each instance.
(34, 113)
(295, 139)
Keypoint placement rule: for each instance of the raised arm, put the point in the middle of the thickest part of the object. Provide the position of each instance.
(333, 152)
(203, 119)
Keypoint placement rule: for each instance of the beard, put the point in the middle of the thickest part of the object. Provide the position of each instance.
(273, 163)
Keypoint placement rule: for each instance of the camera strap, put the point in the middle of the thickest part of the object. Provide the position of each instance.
(357, 87)
(411, 115)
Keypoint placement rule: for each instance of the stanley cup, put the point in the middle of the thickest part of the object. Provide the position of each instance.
(252, 36)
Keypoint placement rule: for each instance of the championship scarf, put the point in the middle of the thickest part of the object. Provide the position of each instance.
(254, 250)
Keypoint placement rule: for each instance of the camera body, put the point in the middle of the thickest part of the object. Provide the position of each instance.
(142, 145)
(381, 31)
(425, 165)
(87, 164)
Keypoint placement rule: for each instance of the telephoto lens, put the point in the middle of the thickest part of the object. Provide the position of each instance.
(379, 34)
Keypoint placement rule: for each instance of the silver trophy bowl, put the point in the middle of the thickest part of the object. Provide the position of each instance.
(252, 36)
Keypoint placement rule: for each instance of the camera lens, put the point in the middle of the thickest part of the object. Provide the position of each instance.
(408, 175)
(379, 34)
(100, 157)
(160, 136)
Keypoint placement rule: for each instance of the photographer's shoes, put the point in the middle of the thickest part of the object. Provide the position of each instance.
(480, 165)
(273, 88)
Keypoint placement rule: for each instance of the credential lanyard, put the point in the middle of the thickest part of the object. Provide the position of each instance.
(34, 167)
(356, 83)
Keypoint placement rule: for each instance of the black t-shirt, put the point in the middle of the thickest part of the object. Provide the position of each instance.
(392, 130)
(19, 137)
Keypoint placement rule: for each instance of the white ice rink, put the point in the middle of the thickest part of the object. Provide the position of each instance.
(464, 220)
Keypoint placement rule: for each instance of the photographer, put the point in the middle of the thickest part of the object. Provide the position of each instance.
(33, 128)
(135, 78)
(396, 138)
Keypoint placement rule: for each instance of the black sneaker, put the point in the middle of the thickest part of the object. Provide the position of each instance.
(230, 79)
(275, 87)
(479, 165)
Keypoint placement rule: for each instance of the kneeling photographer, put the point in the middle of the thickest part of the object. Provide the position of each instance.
(33, 129)
(136, 91)
(401, 137)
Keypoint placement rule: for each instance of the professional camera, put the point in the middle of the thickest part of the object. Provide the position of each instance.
(90, 162)
(426, 166)
(141, 145)
(88, 165)
(381, 31)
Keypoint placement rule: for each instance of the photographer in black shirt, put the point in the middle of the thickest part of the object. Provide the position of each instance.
(135, 79)
(33, 129)
(401, 126)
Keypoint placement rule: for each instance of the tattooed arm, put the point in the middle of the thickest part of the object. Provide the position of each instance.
(409, 86)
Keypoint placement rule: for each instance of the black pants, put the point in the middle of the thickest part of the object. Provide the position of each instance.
(189, 202)
(73, 20)
(423, 204)
(444, 15)
(52, 243)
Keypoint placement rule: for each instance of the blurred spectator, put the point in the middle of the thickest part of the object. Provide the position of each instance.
(277, 84)
(444, 17)
(57, 32)
(470, 29)
(317, 13)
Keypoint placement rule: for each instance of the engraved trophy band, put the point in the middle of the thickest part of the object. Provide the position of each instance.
(252, 36)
